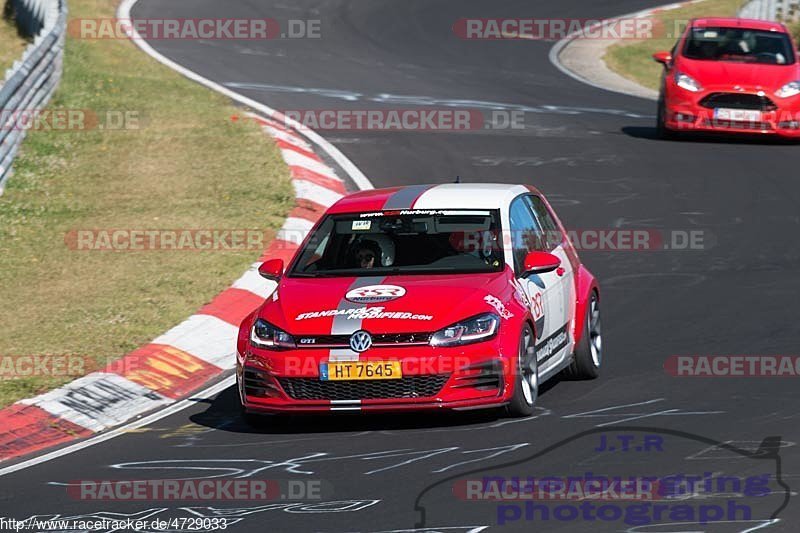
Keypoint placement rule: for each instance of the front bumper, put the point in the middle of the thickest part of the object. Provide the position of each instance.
(686, 112)
(459, 378)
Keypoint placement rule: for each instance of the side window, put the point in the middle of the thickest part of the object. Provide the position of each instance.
(525, 232)
(552, 234)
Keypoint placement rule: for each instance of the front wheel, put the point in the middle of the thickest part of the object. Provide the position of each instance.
(589, 352)
(526, 379)
(661, 129)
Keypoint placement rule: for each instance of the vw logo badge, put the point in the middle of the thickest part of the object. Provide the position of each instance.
(360, 341)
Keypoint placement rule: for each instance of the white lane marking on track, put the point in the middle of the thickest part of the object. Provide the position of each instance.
(760, 525)
(416, 100)
(627, 417)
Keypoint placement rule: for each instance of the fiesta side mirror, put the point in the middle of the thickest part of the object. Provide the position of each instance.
(272, 269)
(665, 58)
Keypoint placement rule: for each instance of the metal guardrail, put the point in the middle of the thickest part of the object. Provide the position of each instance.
(31, 81)
(780, 10)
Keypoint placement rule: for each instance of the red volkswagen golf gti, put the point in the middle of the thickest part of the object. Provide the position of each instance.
(731, 75)
(455, 296)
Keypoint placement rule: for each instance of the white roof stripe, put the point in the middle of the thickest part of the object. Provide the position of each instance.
(469, 196)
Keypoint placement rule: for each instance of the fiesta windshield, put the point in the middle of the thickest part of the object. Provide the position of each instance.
(403, 242)
(739, 44)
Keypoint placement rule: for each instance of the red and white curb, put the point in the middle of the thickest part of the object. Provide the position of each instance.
(185, 358)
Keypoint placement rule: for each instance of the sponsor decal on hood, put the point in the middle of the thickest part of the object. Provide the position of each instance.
(364, 314)
(375, 294)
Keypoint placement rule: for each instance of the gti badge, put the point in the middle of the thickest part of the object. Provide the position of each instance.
(360, 341)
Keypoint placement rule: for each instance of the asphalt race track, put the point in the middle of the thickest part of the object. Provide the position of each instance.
(595, 155)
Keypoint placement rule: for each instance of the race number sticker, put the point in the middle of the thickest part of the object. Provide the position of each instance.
(375, 294)
(362, 225)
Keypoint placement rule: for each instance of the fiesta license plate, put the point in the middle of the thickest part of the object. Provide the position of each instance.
(356, 370)
(737, 115)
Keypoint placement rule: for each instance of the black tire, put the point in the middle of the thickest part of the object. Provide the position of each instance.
(588, 356)
(250, 419)
(661, 129)
(525, 377)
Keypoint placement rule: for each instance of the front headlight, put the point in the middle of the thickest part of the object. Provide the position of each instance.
(475, 329)
(790, 89)
(265, 335)
(687, 82)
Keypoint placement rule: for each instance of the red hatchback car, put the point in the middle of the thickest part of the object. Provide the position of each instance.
(454, 296)
(731, 75)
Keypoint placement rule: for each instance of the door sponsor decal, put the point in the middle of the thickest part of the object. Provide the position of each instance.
(552, 344)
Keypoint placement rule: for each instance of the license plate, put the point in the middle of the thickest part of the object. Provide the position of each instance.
(737, 115)
(357, 370)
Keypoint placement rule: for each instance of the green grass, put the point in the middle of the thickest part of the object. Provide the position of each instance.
(794, 28)
(634, 59)
(187, 166)
(11, 44)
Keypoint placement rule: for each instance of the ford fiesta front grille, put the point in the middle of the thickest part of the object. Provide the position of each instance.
(379, 340)
(408, 387)
(738, 124)
(738, 101)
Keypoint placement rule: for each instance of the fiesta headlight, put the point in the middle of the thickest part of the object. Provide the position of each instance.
(265, 335)
(790, 89)
(475, 329)
(684, 81)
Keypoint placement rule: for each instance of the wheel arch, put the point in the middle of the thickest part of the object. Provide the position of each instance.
(585, 285)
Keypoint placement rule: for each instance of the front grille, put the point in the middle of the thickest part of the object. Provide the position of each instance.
(741, 125)
(738, 101)
(407, 387)
(378, 339)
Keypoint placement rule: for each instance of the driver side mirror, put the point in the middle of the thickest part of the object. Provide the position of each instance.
(272, 269)
(540, 263)
(665, 58)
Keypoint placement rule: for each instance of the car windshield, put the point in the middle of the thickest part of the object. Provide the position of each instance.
(739, 44)
(403, 242)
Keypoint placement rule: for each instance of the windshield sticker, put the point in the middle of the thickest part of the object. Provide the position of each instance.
(364, 314)
(499, 307)
(361, 225)
(372, 294)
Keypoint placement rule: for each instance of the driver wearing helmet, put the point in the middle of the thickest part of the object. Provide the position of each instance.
(374, 251)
